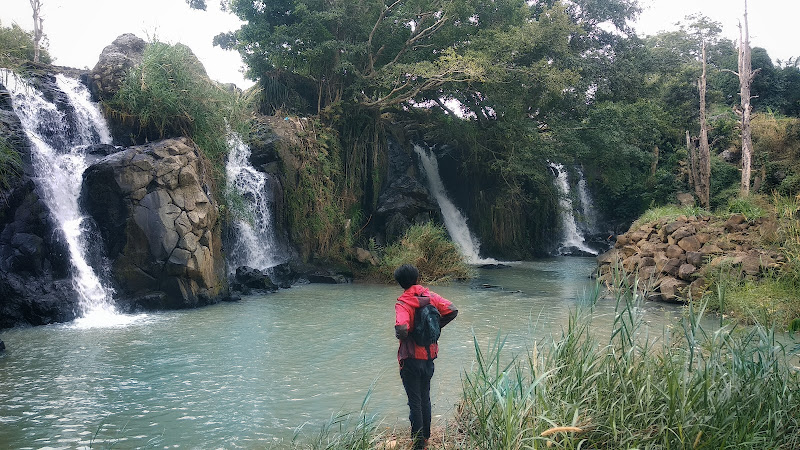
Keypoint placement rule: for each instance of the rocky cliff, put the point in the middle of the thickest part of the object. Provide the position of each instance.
(160, 225)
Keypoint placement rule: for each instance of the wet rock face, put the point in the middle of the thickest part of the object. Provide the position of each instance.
(404, 199)
(35, 284)
(159, 223)
(672, 257)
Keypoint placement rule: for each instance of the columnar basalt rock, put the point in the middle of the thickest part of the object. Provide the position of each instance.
(671, 257)
(159, 223)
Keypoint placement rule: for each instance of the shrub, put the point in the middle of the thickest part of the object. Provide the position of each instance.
(430, 249)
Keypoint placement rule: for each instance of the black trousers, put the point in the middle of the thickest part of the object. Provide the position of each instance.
(416, 375)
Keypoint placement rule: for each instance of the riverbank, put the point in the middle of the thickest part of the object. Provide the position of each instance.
(743, 260)
(689, 386)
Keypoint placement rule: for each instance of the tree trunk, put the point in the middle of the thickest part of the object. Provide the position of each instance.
(36, 6)
(703, 174)
(654, 163)
(745, 80)
(692, 157)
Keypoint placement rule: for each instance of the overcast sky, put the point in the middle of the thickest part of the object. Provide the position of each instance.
(78, 30)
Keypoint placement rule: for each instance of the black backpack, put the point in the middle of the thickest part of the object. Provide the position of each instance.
(426, 324)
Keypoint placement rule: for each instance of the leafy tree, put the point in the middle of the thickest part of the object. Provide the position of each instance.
(16, 46)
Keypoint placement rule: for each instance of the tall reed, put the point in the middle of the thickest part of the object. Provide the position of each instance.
(688, 387)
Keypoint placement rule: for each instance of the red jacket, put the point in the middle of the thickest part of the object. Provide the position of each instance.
(404, 321)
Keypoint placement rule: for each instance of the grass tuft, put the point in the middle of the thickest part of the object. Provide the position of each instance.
(429, 248)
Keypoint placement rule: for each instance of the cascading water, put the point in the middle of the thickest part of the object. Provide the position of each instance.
(454, 221)
(572, 238)
(255, 244)
(58, 144)
(588, 220)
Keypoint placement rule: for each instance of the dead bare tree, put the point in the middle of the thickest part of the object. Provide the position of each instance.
(703, 167)
(746, 75)
(38, 22)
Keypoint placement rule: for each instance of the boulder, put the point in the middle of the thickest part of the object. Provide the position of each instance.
(751, 263)
(685, 271)
(689, 244)
(116, 59)
(694, 258)
(674, 251)
(29, 300)
(671, 267)
(328, 278)
(609, 257)
(685, 199)
(735, 223)
(248, 279)
(672, 289)
(364, 256)
(159, 223)
(684, 231)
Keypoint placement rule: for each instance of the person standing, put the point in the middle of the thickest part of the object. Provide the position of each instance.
(416, 362)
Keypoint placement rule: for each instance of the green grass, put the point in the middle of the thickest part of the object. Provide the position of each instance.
(169, 95)
(429, 248)
(668, 212)
(749, 207)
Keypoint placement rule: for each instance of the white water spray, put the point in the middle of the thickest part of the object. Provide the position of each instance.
(454, 220)
(572, 237)
(58, 161)
(255, 244)
(588, 212)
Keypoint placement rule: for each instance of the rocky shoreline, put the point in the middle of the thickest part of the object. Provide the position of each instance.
(674, 256)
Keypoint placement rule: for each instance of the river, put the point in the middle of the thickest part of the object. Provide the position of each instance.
(248, 374)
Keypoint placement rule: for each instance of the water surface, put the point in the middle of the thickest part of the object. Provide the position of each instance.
(247, 374)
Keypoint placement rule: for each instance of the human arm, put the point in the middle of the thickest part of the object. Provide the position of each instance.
(447, 310)
(402, 321)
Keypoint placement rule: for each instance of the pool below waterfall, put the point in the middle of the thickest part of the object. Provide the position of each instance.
(248, 374)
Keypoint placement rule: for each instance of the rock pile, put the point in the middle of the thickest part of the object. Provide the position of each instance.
(672, 256)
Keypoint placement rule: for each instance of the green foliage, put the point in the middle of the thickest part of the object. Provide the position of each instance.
(749, 207)
(429, 248)
(170, 95)
(312, 177)
(16, 47)
(618, 153)
(634, 391)
(725, 179)
(10, 164)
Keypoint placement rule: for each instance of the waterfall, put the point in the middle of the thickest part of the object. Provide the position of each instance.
(255, 243)
(58, 144)
(454, 220)
(588, 220)
(572, 238)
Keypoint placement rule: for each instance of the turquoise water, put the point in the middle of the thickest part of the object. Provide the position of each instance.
(248, 374)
